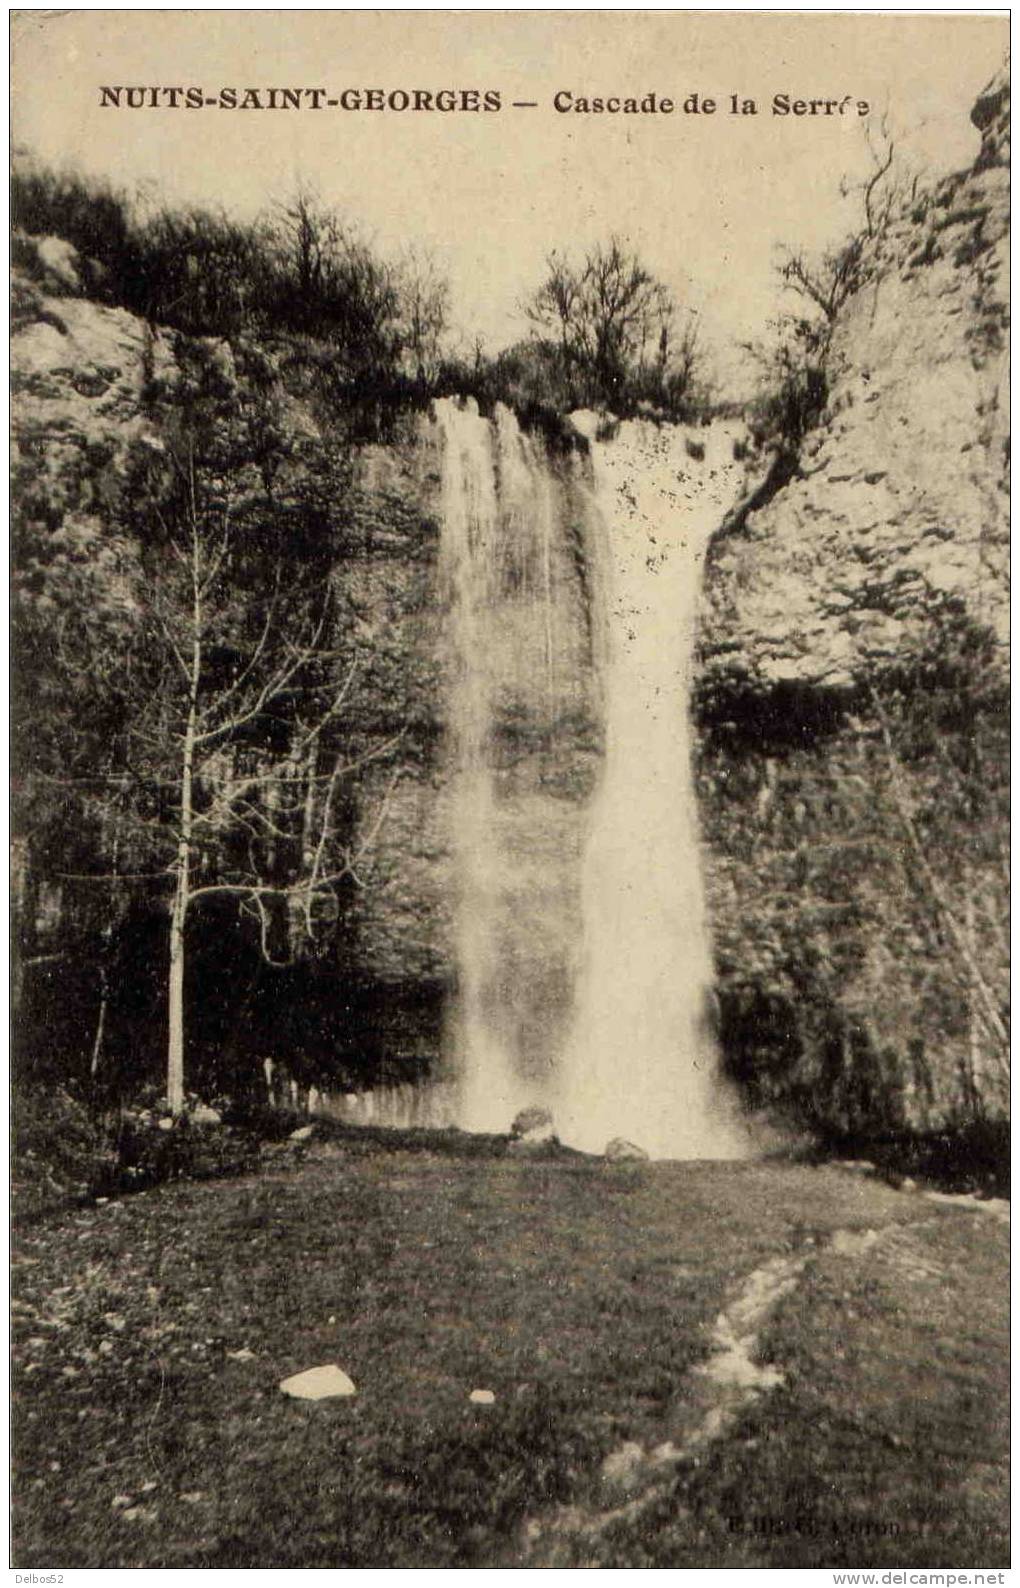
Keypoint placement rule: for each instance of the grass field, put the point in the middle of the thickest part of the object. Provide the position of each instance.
(582, 1295)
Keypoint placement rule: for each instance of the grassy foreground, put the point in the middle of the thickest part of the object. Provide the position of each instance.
(579, 1294)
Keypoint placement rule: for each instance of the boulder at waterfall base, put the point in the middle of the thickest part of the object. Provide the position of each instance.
(532, 1126)
(619, 1150)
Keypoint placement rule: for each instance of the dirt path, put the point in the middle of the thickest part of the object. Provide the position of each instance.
(721, 1391)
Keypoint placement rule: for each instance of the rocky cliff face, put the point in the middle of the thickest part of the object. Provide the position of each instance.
(898, 510)
(854, 696)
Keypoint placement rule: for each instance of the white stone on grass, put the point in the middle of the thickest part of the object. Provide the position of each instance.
(482, 1397)
(318, 1383)
(621, 1465)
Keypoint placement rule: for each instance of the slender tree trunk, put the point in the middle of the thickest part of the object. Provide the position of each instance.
(175, 1050)
(104, 973)
(179, 913)
(178, 917)
(97, 1041)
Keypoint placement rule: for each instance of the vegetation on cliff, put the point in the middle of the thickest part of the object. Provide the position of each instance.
(188, 718)
(606, 332)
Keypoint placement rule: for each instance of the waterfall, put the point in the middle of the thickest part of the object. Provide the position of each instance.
(487, 1093)
(640, 1061)
(584, 967)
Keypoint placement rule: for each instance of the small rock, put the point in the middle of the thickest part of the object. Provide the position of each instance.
(305, 1133)
(620, 1150)
(204, 1115)
(853, 1243)
(192, 1497)
(482, 1397)
(105, 1347)
(318, 1383)
(621, 1465)
(147, 1488)
(121, 1501)
(166, 1123)
(115, 1321)
(244, 1355)
(533, 1125)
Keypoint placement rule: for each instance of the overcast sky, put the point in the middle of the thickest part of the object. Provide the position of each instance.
(705, 199)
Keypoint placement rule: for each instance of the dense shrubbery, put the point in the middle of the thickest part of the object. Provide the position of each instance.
(381, 326)
(143, 1153)
(67, 1147)
(58, 1149)
(297, 270)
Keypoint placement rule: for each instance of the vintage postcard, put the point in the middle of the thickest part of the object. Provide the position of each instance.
(510, 620)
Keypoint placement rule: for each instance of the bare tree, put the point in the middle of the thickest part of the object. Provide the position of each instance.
(335, 285)
(209, 753)
(613, 322)
(826, 283)
(888, 186)
(227, 685)
(309, 236)
(795, 366)
(424, 314)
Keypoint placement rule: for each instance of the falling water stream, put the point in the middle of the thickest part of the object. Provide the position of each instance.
(634, 1056)
(641, 1060)
(488, 1090)
(577, 919)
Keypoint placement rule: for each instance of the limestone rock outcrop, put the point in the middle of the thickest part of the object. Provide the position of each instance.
(898, 510)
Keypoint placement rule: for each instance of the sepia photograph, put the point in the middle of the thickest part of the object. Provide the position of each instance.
(510, 791)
